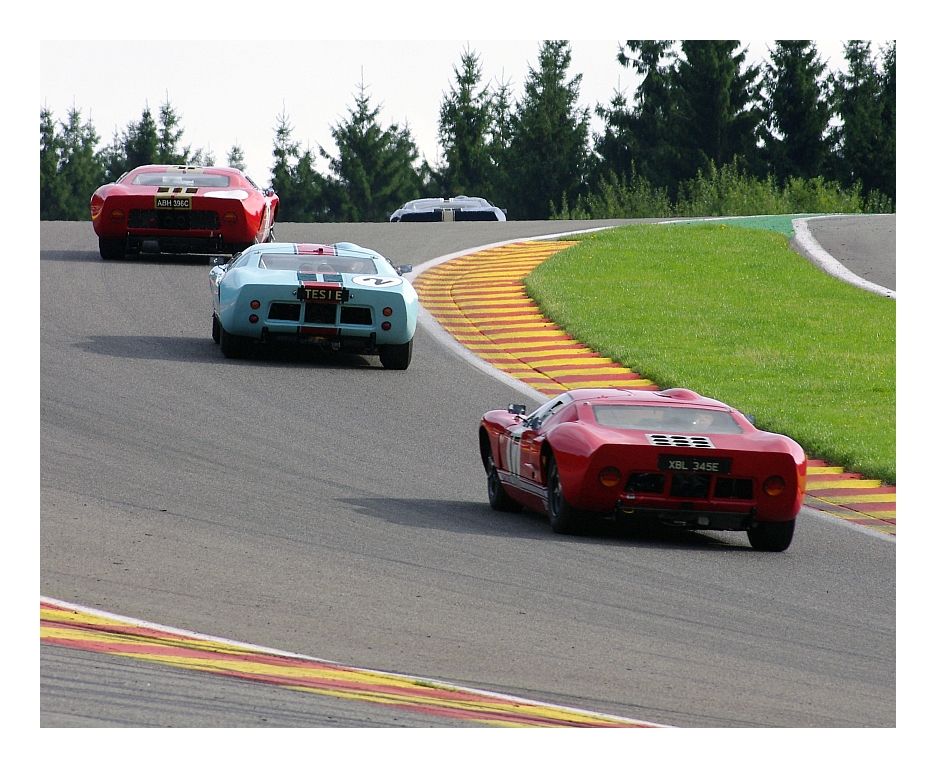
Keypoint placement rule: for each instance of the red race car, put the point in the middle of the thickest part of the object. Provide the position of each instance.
(181, 209)
(671, 457)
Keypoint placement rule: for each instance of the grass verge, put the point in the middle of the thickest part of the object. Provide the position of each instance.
(734, 313)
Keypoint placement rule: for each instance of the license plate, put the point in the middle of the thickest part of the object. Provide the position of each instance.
(322, 293)
(671, 463)
(174, 203)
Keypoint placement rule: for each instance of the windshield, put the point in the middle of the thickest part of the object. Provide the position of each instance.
(328, 264)
(170, 179)
(653, 418)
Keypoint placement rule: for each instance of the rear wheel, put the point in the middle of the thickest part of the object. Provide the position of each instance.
(497, 496)
(563, 517)
(112, 247)
(772, 537)
(396, 356)
(231, 346)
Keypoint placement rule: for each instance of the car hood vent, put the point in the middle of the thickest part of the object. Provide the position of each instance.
(680, 441)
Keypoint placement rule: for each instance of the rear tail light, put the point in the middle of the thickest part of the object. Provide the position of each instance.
(774, 485)
(385, 325)
(387, 311)
(230, 217)
(255, 304)
(254, 319)
(117, 214)
(609, 477)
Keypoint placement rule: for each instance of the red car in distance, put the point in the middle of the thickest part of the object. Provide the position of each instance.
(181, 209)
(671, 457)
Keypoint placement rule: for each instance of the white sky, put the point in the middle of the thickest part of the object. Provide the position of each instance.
(229, 93)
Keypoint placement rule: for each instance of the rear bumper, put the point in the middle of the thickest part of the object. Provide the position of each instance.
(694, 519)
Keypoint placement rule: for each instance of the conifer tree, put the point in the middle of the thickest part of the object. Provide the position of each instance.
(715, 106)
(797, 91)
(465, 132)
(548, 152)
(374, 168)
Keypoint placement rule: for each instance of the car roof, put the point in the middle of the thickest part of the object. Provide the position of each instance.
(459, 201)
(666, 397)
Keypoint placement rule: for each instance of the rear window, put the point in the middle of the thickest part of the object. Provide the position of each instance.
(295, 262)
(651, 418)
(168, 179)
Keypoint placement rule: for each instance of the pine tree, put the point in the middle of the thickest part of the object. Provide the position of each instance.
(80, 167)
(647, 129)
(797, 99)
(888, 97)
(548, 153)
(715, 103)
(51, 184)
(168, 135)
(374, 168)
(235, 158)
(141, 141)
(464, 132)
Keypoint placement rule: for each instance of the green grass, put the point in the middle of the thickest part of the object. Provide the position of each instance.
(734, 313)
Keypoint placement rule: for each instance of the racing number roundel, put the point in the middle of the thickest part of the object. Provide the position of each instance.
(376, 281)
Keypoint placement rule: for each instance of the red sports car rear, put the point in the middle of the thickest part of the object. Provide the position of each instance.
(181, 209)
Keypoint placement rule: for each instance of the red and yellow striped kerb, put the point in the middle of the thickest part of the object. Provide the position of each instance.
(75, 627)
(480, 300)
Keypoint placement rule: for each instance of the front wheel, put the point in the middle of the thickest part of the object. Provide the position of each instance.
(112, 247)
(396, 356)
(772, 537)
(215, 329)
(563, 517)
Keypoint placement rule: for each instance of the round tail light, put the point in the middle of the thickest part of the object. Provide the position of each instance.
(254, 319)
(230, 217)
(385, 325)
(255, 304)
(609, 477)
(387, 311)
(774, 485)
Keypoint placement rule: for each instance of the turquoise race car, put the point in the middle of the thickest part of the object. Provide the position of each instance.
(341, 297)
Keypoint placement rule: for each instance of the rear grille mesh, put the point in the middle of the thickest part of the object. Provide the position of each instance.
(141, 218)
(680, 441)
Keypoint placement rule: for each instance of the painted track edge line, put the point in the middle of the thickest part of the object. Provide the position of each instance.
(449, 342)
(828, 263)
(290, 654)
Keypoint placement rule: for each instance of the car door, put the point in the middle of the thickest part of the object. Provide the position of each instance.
(530, 439)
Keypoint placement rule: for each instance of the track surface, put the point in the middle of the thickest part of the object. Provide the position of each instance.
(325, 506)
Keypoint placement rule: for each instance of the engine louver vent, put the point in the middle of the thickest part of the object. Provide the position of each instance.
(680, 441)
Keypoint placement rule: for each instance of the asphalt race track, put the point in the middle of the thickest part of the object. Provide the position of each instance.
(326, 506)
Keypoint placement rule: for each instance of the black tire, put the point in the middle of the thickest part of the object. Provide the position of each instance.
(497, 496)
(772, 537)
(563, 517)
(215, 329)
(396, 357)
(112, 247)
(231, 346)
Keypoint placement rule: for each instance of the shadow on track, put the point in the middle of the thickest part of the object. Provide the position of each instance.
(188, 349)
(474, 517)
(184, 259)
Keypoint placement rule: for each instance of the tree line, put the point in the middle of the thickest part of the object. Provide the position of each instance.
(704, 133)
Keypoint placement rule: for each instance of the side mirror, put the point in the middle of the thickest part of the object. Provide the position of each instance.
(517, 409)
(217, 261)
(404, 268)
(749, 417)
(269, 192)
